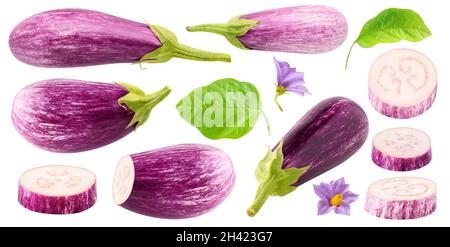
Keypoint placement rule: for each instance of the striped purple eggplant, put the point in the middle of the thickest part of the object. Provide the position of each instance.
(301, 29)
(57, 189)
(174, 182)
(329, 134)
(65, 115)
(77, 37)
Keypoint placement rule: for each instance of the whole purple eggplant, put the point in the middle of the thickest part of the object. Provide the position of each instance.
(329, 134)
(301, 29)
(65, 115)
(174, 182)
(77, 37)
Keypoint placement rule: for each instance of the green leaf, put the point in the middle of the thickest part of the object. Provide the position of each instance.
(226, 108)
(393, 25)
(273, 179)
(140, 103)
(390, 26)
(234, 28)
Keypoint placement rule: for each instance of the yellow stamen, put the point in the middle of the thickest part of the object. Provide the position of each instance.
(336, 200)
(280, 90)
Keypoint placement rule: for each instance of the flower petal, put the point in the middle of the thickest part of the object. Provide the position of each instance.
(300, 90)
(323, 190)
(349, 197)
(343, 209)
(282, 70)
(292, 78)
(320, 191)
(279, 73)
(339, 186)
(323, 207)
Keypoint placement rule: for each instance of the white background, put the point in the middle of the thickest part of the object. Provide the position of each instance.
(325, 76)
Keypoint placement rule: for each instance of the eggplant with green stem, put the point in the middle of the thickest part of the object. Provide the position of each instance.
(325, 137)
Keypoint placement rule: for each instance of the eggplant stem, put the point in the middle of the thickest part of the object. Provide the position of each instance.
(170, 47)
(218, 28)
(264, 192)
(186, 52)
(141, 104)
(278, 104)
(231, 30)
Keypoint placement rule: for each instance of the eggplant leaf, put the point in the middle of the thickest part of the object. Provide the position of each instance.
(390, 26)
(226, 108)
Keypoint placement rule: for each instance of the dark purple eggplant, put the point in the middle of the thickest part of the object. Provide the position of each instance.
(329, 134)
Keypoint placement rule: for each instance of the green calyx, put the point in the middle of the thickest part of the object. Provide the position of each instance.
(273, 179)
(140, 103)
(231, 30)
(171, 48)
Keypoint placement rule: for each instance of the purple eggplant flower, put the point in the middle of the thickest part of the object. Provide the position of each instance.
(334, 196)
(288, 80)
